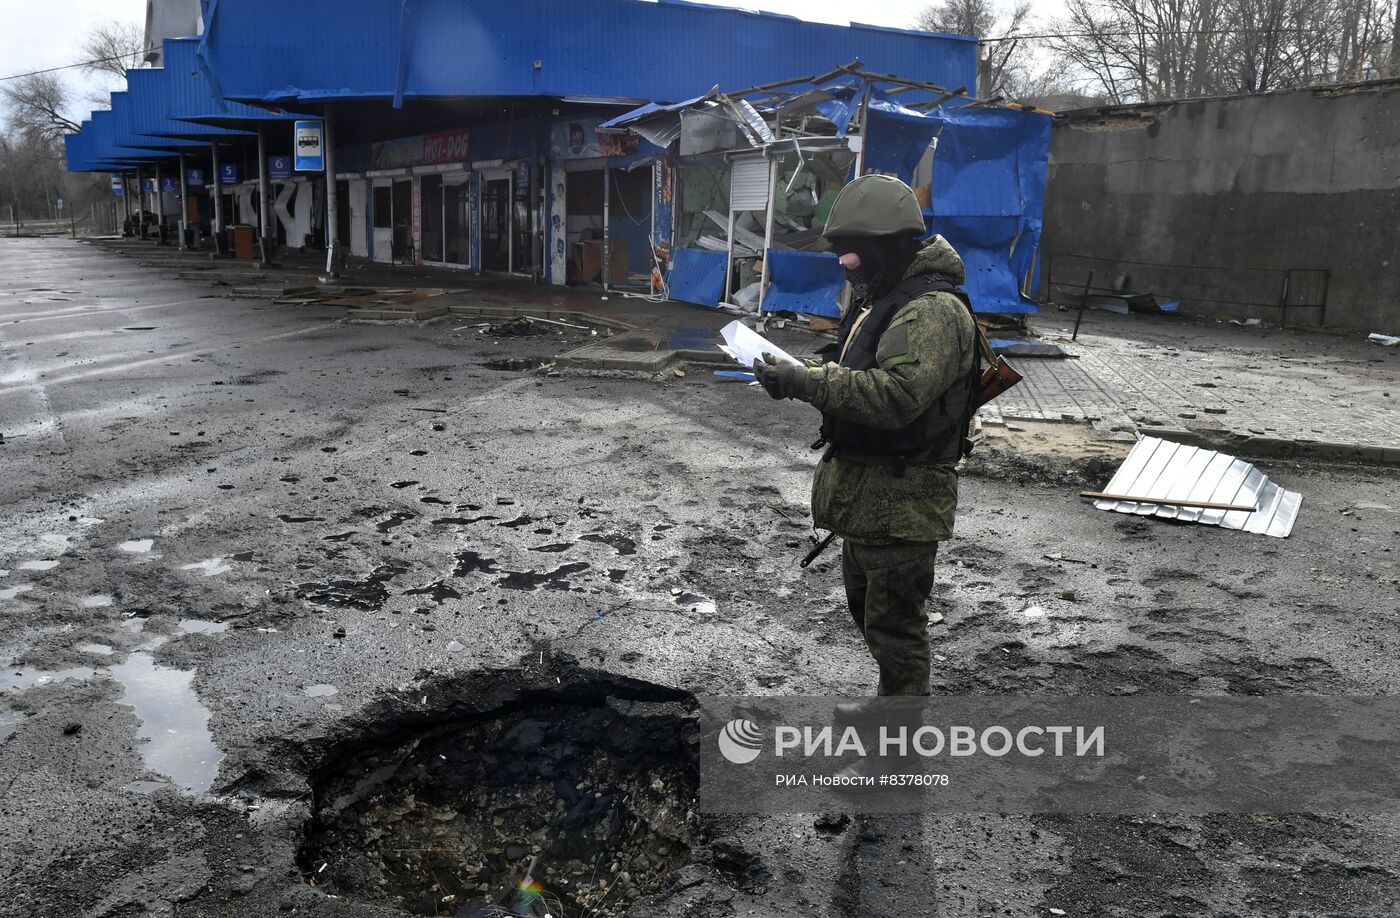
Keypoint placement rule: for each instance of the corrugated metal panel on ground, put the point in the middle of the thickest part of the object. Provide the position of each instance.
(697, 276)
(1163, 471)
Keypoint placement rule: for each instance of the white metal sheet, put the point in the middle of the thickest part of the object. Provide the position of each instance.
(1161, 471)
(748, 187)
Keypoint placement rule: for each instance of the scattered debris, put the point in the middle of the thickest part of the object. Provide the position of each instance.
(1185, 483)
(1016, 347)
(515, 328)
(1383, 340)
(557, 322)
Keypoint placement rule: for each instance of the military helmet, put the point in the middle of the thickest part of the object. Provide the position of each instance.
(875, 205)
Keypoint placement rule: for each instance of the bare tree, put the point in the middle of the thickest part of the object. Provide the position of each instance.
(959, 17)
(36, 104)
(113, 48)
(1002, 62)
(1395, 41)
(1145, 50)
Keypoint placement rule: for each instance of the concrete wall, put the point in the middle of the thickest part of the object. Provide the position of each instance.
(169, 19)
(1213, 201)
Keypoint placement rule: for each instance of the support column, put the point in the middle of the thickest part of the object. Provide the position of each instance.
(126, 199)
(218, 203)
(140, 205)
(607, 227)
(773, 170)
(332, 199)
(184, 204)
(160, 207)
(264, 198)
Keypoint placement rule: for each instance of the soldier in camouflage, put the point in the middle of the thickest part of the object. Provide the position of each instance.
(896, 400)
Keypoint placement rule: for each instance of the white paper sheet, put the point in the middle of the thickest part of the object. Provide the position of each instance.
(746, 345)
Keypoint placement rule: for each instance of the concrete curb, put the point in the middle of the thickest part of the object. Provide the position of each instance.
(1257, 447)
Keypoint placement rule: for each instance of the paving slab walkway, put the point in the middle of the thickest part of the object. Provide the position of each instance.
(1172, 375)
(1209, 377)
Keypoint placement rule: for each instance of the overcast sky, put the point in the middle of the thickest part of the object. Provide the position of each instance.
(37, 34)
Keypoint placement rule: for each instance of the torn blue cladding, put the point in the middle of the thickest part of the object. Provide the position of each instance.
(896, 139)
(697, 276)
(805, 282)
(988, 199)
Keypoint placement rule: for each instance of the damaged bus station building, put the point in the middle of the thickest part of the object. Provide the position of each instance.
(660, 148)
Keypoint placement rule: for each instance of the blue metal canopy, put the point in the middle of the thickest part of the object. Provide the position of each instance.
(190, 97)
(317, 51)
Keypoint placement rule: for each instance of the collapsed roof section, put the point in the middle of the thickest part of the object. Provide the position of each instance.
(979, 168)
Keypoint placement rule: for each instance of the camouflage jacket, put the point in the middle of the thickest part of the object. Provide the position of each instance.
(868, 502)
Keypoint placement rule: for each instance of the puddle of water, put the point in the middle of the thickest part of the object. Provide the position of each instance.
(47, 564)
(455, 646)
(554, 548)
(319, 691)
(519, 521)
(301, 519)
(438, 591)
(12, 592)
(20, 679)
(395, 520)
(403, 484)
(461, 520)
(470, 562)
(211, 567)
(174, 723)
(615, 540)
(701, 605)
(368, 594)
(137, 546)
(1033, 612)
(96, 600)
(195, 626)
(556, 579)
(102, 650)
(514, 364)
(145, 787)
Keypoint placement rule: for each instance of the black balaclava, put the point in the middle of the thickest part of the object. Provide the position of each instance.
(883, 261)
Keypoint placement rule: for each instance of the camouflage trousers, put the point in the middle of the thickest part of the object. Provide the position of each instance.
(886, 589)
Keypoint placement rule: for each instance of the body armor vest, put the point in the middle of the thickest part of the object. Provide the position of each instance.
(939, 435)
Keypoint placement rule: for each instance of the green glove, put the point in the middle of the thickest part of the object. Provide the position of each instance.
(781, 380)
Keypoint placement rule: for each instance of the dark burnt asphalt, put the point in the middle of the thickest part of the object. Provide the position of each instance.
(235, 553)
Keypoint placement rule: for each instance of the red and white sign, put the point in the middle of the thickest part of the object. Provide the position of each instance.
(445, 147)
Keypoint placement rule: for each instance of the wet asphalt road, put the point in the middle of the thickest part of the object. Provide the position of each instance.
(235, 554)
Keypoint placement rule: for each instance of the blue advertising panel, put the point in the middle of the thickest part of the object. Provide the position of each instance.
(279, 168)
(310, 154)
(228, 173)
(169, 185)
(118, 188)
(194, 177)
(148, 185)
